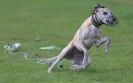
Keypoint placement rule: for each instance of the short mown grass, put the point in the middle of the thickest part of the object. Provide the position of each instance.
(54, 22)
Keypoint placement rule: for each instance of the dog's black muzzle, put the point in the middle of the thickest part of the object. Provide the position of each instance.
(113, 21)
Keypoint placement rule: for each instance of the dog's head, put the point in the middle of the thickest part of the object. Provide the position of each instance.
(104, 15)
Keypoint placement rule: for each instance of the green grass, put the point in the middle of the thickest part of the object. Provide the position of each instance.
(55, 22)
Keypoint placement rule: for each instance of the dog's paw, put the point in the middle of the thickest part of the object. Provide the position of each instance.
(77, 67)
(106, 50)
(49, 70)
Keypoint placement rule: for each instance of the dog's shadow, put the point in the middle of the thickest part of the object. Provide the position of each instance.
(84, 71)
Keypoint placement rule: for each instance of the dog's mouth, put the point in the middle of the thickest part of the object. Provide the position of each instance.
(113, 22)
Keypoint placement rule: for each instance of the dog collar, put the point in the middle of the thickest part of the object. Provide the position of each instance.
(96, 21)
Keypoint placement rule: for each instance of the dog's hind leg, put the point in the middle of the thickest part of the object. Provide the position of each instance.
(78, 59)
(61, 56)
(81, 47)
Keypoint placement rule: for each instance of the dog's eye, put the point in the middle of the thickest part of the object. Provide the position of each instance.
(105, 13)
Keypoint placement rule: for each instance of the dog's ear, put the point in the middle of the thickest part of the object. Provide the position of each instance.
(99, 6)
(95, 9)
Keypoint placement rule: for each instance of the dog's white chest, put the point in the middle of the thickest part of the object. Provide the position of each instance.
(91, 36)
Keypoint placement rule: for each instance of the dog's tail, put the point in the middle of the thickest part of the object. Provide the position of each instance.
(41, 60)
(47, 60)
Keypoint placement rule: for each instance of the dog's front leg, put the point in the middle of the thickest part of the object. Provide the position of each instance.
(60, 56)
(105, 40)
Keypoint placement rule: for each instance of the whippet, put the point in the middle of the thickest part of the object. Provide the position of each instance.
(88, 34)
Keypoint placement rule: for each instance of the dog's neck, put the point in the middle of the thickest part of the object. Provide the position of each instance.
(96, 21)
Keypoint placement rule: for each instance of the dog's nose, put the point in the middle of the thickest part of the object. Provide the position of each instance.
(113, 18)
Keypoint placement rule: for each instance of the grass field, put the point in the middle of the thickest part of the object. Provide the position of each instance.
(54, 22)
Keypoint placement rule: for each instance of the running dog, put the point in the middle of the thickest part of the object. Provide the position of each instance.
(88, 34)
